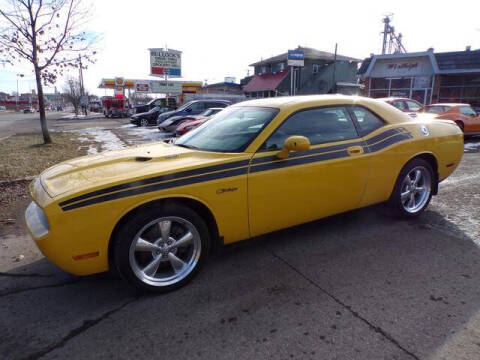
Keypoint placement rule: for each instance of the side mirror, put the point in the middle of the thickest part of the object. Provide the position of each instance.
(294, 143)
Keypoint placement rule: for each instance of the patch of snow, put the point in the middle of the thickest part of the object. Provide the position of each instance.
(149, 134)
(472, 146)
(107, 139)
(128, 126)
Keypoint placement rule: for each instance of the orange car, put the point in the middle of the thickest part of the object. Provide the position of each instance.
(463, 114)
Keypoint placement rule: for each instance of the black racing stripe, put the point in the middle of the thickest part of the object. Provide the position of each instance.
(382, 136)
(156, 179)
(390, 141)
(278, 164)
(156, 187)
(377, 138)
(271, 158)
(234, 169)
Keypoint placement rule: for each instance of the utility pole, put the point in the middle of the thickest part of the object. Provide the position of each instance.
(82, 89)
(334, 83)
(16, 102)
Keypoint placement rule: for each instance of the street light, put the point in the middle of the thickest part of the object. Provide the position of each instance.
(16, 102)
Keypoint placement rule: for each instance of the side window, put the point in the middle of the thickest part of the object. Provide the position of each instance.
(198, 106)
(412, 105)
(319, 125)
(399, 105)
(366, 120)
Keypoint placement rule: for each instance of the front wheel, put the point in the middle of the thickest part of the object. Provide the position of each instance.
(413, 189)
(144, 122)
(162, 248)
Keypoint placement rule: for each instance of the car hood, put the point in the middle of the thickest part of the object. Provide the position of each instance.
(194, 122)
(92, 172)
(166, 115)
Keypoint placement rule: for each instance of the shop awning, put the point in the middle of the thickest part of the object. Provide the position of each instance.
(265, 82)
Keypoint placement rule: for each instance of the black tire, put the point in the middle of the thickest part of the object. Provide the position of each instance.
(395, 205)
(460, 125)
(129, 231)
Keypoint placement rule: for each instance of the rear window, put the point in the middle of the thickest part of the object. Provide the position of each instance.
(436, 109)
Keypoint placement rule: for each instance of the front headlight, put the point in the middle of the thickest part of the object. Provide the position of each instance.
(36, 220)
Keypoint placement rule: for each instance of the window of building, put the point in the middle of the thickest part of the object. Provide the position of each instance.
(316, 68)
(281, 66)
(263, 69)
(320, 125)
(380, 83)
(367, 121)
(403, 83)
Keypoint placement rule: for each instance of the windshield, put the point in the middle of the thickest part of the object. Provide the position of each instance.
(184, 106)
(231, 130)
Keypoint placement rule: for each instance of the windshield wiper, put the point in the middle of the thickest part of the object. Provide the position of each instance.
(187, 146)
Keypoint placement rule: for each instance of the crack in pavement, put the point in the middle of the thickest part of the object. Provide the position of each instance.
(373, 327)
(18, 291)
(87, 324)
(24, 275)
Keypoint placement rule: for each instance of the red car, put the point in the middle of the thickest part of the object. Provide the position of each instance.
(405, 104)
(197, 120)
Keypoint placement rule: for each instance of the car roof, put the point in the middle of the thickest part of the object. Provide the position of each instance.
(392, 98)
(381, 108)
(449, 104)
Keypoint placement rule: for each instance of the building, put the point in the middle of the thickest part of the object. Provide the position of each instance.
(319, 75)
(221, 88)
(427, 77)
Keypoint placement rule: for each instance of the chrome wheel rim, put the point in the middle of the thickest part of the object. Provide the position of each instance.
(165, 251)
(415, 189)
(144, 122)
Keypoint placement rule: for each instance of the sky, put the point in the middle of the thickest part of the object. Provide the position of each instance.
(221, 38)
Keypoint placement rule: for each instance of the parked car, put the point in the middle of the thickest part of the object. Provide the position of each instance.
(410, 106)
(194, 107)
(3, 108)
(28, 110)
(148, 118)
(464, 116)
(155, 211)
(198, 120)
(139, 109)
(59, 108)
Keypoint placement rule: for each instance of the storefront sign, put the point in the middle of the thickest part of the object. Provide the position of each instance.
(142, 87)
(295, 57)
(165, 62)
(165, 87)
(402, 67)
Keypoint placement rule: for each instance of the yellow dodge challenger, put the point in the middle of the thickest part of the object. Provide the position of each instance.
(154, 212)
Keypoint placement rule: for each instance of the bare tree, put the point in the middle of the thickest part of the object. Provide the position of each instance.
(72, 93)
(49, 34)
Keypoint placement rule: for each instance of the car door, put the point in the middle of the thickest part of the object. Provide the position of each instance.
(328, 178)
(196, 108)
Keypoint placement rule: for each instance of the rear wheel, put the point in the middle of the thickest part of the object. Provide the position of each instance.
(413, 189)
(460, 125)
(161, 249)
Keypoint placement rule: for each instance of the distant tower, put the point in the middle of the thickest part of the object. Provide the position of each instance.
(392, 43)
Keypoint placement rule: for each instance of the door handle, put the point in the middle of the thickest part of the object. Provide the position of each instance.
(355, 150)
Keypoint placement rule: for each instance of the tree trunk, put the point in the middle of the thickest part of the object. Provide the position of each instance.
(41, 106)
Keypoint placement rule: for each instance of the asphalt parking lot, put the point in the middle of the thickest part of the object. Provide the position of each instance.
(355, 286)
